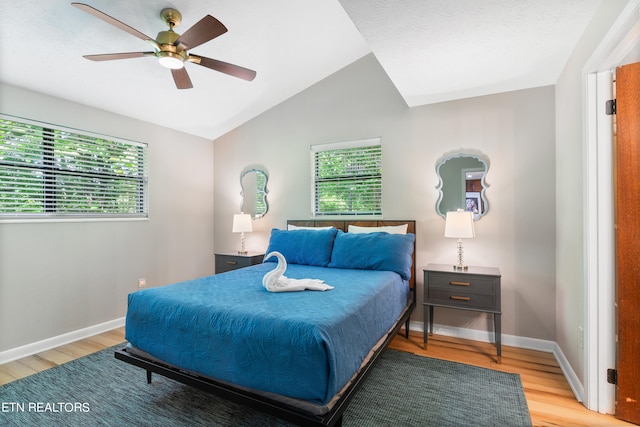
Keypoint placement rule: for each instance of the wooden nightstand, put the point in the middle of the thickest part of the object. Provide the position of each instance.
(228, 261)
(477, 289)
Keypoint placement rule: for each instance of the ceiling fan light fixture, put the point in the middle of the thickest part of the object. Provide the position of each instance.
(171, 48)
(171, 60)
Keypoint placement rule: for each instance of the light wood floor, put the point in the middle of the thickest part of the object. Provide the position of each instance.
(549, 397)
(550, 400)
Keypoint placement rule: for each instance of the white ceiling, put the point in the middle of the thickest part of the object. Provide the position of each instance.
(433, 51)
(439, 50)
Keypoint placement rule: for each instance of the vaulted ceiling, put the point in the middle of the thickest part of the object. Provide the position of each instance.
(432, 50)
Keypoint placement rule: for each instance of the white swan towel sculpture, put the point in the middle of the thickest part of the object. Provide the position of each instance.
(275, 281)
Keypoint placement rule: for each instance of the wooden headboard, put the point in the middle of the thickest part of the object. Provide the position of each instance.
(344, 226)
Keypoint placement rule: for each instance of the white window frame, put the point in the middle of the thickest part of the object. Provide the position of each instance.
(370, 144)
(85, 176)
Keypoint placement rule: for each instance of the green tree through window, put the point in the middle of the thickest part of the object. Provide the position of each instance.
(49, 172)
(347, 178)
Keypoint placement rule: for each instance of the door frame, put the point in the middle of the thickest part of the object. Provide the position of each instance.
(599, 313)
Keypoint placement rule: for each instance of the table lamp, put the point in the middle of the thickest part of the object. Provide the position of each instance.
(459, 225)
(242, 224)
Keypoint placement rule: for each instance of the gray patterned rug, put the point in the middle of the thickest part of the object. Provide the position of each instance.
(402, 390)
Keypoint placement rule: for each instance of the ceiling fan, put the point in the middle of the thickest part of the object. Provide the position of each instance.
(171, 48)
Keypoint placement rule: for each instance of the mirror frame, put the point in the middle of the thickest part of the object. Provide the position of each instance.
(482, 158)
(263, 191)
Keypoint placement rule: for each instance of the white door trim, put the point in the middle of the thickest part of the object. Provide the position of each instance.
(600, 262)
(600, 347)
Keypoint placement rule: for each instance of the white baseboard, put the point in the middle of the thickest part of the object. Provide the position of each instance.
(486, 336)
(57, 341)
(569, 374)
(513, 341)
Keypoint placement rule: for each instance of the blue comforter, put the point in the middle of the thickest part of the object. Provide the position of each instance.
(305, 345)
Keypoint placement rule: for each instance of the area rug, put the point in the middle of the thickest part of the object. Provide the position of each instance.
(402, 390)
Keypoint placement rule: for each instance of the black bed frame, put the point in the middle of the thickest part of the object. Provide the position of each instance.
(271, 406)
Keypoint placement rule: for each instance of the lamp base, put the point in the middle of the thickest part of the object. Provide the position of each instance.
(242, 250)
(460, 265)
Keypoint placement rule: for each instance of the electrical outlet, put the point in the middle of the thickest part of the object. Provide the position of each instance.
(142, 282)
(581, 337)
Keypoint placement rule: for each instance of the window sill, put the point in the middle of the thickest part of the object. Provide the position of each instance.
(51, 220)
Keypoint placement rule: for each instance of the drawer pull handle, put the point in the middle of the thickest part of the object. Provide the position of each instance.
(231, 262)
(457, 298)
(460, 283)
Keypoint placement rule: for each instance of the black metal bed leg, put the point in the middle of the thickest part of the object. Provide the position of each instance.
(406, 329)
(148, 376)
(339, 422)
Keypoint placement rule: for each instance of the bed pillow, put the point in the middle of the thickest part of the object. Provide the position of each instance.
(299, 227)
(374, 251)
(309, 247)
(391, 229)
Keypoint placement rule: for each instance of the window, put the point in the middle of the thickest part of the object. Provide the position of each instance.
(347, 178)
(48, 171)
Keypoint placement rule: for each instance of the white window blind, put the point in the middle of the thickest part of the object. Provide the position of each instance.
(347, 178)
(47, 171)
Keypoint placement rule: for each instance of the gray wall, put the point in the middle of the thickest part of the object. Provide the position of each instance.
(515, 130)
(63, 276)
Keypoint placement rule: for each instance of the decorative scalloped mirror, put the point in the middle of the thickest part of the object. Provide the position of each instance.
(462, 183)
(254, 193)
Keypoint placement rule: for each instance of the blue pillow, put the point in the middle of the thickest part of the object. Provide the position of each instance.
(374, 251)
(309, 247)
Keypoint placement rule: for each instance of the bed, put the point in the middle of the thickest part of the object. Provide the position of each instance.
(300, 356)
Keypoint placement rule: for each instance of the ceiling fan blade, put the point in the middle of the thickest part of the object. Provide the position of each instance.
(110, 20)
(181, 78)
(112, 56)
(202, 31)
(224, 67)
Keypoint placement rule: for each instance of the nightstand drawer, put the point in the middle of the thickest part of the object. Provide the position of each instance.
(227, 262)
(467, 284)
(466, 300)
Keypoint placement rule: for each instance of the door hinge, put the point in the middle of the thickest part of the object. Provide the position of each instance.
(612, 376)
(610, 107)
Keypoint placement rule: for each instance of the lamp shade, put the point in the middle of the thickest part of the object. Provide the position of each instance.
(459, 224)
(242, 223)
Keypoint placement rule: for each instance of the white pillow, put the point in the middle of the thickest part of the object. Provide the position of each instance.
(297, 227)
(391, 229)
